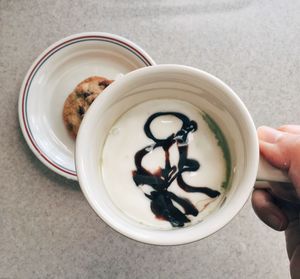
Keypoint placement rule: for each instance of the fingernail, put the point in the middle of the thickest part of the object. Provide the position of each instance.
(268, 134)
(274, 222)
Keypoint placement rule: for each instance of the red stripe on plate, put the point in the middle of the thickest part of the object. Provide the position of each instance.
(30, 76)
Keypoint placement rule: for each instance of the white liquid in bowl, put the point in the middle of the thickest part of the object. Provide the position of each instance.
(126, 181)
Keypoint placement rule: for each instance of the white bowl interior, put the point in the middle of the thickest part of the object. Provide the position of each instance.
(168, 82)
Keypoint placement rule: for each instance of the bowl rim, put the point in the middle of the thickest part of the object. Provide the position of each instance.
(190, 233)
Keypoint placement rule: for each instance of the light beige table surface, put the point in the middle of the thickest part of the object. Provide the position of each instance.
(47, 229)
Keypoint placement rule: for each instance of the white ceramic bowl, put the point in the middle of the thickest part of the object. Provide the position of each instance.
(160, 82)
(53, 76)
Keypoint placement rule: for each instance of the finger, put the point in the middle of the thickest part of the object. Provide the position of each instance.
(268, 134)
(292, 129)
(280, 191)
(282, 150)
(282, 156)
(284, 196)
(268, 211)
(279, 147)
(269, 147)
(275, 155)
(285, 192)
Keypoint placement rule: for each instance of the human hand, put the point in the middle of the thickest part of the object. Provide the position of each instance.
(278, 204)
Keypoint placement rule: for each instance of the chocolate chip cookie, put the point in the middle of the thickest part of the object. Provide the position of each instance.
(80, 100)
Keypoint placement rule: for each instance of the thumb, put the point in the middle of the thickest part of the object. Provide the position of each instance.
(282, 150)
(274, 146)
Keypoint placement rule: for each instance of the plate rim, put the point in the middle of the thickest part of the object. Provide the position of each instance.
(39, 152)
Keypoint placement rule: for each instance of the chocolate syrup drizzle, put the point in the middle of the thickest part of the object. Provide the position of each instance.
(161, 199)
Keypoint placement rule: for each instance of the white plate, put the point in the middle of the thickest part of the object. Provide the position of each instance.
(51, 78)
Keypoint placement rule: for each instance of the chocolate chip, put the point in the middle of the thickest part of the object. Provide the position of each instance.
(69, 126)
(86, 94)
(81, 111)
(104, 83)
